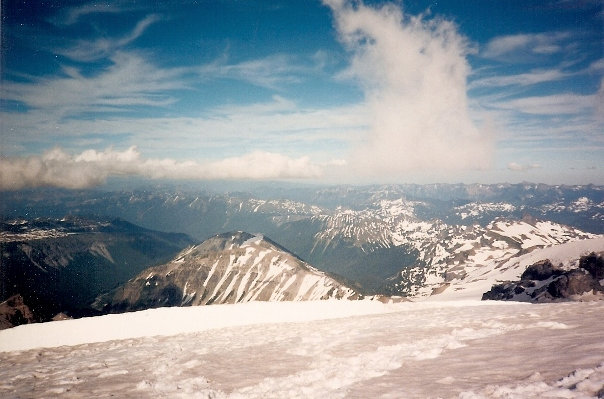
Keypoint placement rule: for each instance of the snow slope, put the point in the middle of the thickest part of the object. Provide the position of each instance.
(152, 322)
(480, 278)
(327, 349)
(473, 254)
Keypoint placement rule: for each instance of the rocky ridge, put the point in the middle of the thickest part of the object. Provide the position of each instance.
(545, 282)
(14, 312)
(227, 268)
(62, 265)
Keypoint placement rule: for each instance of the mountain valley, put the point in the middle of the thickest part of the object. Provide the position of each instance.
(61, 265)
(448, 241)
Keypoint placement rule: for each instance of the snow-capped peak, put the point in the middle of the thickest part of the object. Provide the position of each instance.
(227, 268)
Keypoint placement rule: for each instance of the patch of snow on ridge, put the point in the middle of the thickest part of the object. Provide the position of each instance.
(582, 204)
(455, 259)
(565, 255)
(480, 279)
(254, 240)
(397, 208)
(475, 209)
(32, 234)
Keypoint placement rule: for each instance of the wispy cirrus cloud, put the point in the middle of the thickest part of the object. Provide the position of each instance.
(596, 66)
(92, 50)
(552, 104)
(522, 79)
(274, 71)
(129, 81)
(278, 124)
(79, 107)
(73, 15)
(513, 47)
(558, 104)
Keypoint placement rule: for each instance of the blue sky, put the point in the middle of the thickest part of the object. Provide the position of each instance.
(335, 91)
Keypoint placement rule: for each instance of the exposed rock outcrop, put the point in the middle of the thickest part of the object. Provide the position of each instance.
(594, 264)
(543, 282)
(62, 265)
(14, 312)
(571, 283)
(541, 270)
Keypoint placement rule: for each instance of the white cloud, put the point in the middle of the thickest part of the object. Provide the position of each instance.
(522, 79)
(86, 50)
(272, 71)
(129, 81)
(557, 104)
(600, 101)
(516, 167)
(72, 15)
(596, 66)
(413, 71)
(506, 44)
(277, 125)
(58, 168)
(520, 45)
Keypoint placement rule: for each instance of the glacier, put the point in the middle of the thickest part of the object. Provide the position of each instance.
(327, 349)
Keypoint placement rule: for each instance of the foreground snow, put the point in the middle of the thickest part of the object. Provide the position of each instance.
(178, 320)
(356, 349)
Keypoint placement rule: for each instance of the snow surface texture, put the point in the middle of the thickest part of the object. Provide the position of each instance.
(327, 349)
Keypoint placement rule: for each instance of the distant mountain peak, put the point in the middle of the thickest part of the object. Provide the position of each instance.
(226, 268)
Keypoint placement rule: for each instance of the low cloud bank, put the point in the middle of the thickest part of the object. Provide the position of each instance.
(517, 167)
(57, 168)
(413, 71)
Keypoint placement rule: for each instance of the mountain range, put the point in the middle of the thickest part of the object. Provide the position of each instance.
(408, 240)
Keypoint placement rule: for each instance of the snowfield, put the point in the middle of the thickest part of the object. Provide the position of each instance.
(327, 349)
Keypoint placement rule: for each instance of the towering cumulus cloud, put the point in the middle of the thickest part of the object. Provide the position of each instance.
(413, 72)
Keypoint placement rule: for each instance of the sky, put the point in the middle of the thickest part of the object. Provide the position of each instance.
(331, 91)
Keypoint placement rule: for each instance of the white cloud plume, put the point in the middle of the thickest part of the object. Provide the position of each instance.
(57, 168)
(413, 71)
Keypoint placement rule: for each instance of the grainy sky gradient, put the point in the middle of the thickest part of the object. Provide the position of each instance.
(333, 91)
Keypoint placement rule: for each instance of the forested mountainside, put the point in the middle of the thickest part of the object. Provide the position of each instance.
(61, 265)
